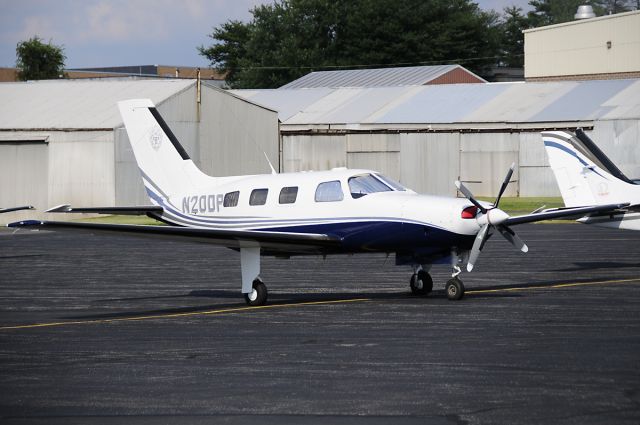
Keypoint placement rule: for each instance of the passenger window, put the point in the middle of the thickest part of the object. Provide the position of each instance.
(329, 192)
(288, 195)
(258, 197)
(231, 199)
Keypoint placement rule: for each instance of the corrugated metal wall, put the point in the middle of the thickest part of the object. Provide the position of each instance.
(235, 135)
(620, 141)
(23, 173)
(430, 162)
(74, 168)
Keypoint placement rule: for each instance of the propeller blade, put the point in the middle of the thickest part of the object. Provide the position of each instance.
(467, 194)
(505, 183)
(511, 236)
(478, 244)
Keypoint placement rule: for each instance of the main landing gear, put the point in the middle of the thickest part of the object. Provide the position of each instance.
(421, 283)
(258, 294)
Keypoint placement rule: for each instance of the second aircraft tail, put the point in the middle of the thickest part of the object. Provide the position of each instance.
(585, 175)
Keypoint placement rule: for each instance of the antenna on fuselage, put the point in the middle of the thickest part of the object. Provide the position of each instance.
(273, 170)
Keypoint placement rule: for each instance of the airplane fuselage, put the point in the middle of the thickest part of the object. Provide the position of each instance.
(365, 209)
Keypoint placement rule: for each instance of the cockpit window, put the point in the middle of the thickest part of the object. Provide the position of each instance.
(365, 184)
(390, 182)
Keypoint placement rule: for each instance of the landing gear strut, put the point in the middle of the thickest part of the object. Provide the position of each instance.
(421, 283)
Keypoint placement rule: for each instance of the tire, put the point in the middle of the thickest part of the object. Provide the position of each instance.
(421, 283)
(454, 289)
(259, 294)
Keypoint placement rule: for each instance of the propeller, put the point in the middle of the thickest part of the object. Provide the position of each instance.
(491, 218)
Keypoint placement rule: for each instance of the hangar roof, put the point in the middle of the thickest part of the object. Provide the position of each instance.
(382, 77)
(495, 103)
(77, 104)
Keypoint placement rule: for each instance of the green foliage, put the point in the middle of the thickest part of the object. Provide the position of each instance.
(38, 61)
(512, 40)
(290, 38)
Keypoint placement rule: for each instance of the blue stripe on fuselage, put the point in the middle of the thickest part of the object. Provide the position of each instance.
(389, 236)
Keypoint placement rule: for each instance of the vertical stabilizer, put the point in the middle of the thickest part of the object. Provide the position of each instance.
(582, 174)
(166, 167)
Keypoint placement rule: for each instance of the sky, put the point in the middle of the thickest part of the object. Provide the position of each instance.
(100, 33)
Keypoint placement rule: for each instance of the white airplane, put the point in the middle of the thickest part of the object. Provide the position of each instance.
(340, 211)
(586, 176)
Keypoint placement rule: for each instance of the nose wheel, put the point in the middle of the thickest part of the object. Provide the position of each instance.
(421, 283)
(454, 289)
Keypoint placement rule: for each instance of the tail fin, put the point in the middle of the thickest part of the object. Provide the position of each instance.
(166, 167)
(583, 172)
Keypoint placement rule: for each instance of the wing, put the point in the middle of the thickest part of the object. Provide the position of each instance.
(568, 213)
(271, 243)
(140, 210)
(6, 210)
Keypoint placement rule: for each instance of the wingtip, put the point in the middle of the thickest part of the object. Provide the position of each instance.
(64, 208)
(25, 223)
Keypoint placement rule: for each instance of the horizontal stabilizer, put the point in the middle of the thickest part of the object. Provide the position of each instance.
(566, 213)
(137, 210)
(6, 210)
(271, 242)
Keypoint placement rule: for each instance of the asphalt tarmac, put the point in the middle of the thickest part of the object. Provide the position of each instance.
(110, 330)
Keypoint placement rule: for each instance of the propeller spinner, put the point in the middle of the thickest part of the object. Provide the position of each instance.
(491, 218)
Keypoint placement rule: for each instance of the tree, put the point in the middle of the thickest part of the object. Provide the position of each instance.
(512, 40)
(38, 61)
(290, 38)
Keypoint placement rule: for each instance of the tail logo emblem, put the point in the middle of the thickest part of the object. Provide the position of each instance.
(156, 138)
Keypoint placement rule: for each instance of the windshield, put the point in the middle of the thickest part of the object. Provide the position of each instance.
(365, 184)
(392, 183)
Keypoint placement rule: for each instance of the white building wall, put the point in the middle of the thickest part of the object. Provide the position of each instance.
(604, 45)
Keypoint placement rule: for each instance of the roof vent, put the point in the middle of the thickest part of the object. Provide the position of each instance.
(584, 12)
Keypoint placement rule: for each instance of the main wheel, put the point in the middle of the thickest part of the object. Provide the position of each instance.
(454, 289)
(421, 283)
(258, 296)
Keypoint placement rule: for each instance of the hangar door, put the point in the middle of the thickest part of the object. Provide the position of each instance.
(23, 173)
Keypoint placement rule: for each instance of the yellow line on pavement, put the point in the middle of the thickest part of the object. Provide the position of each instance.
(175, 315)
(556, 286)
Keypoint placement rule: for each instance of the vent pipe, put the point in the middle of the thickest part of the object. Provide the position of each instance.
(584, 12)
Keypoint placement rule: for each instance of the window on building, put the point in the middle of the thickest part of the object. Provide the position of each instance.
(231, 199)
(288, 195)
(329, 192)
(258, 197)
